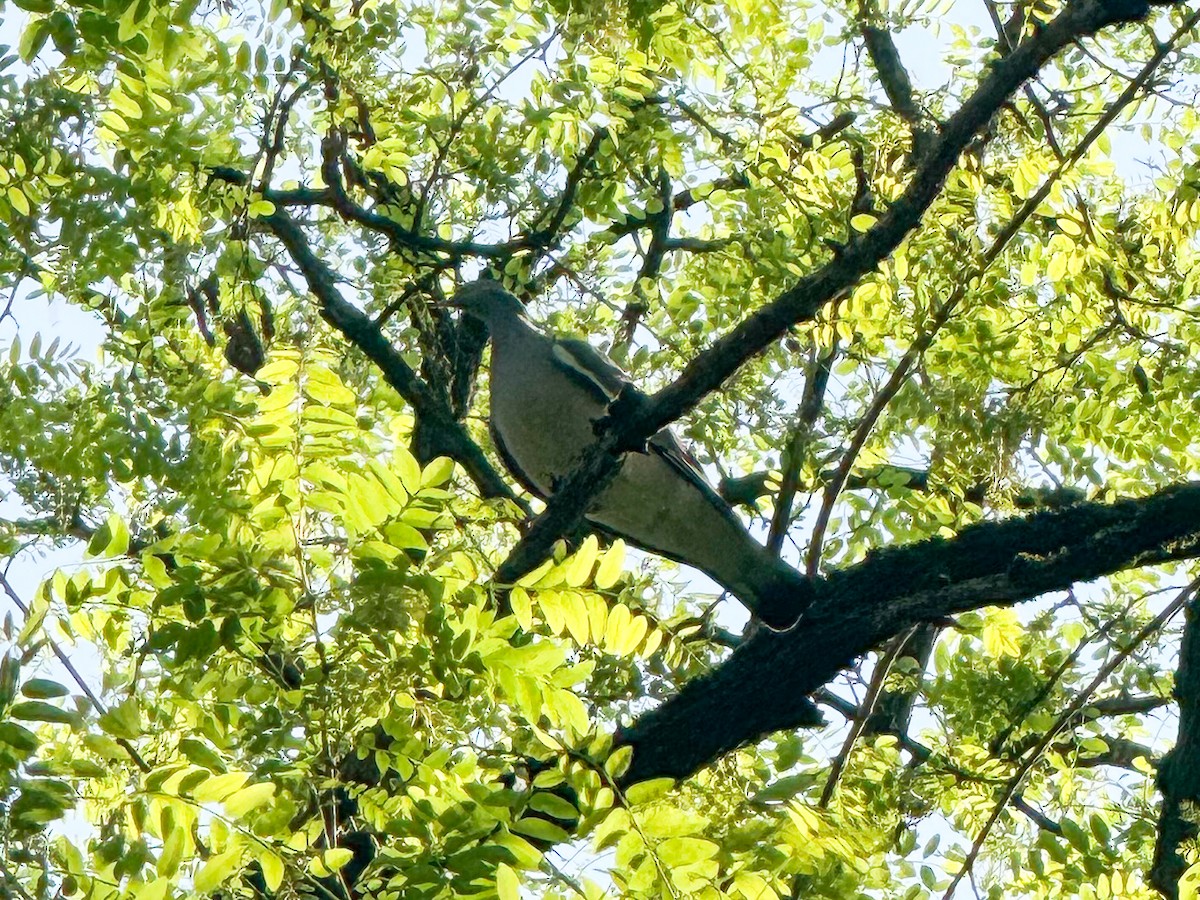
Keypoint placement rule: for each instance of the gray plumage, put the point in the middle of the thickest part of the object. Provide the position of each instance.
(546, 394)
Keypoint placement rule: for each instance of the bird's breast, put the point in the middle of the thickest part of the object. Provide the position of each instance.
(542, 420)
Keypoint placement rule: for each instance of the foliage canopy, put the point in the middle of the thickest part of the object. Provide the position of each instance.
(898, 278)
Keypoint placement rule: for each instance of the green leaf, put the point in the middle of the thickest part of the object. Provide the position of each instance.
(404, 537)
(645, 791)
(408, 469)
(669, 821)
(40, 711)
(336, 858)
(43, 689)
(123, 720)
(618, 761)
(272, 869)
(508, 883)
(575, 615)
(18, 737)
(862, 222)
(553, 805)
(172, 852)
(438, 472)
(1189, 883)
(1073, 833)
(18, 200)
(219, 787)
(522, 608)
(198, 752)
(218, 868)
(524, 853)
(540, 829)
(248, 799)
(682, 851)
(33, 38)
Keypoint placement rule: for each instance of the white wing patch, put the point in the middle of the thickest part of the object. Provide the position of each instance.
(564, 356)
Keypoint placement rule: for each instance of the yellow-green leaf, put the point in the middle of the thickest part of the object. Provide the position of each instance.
(580, 567)
(18, 200)
(437, 472)
(611, 565)
(647, 790)
(521, 607)
(618, 761)
(540, 829)
(508, 885)
(862, 222)
(172, 852)
(214, 872)
(575, 612)
(1189, 883)
(408, 469)
(220, 787)
(681, 851)
(152, 890)
(272, 869)
(249, 799)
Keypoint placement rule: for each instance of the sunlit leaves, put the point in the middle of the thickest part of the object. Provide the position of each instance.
(284, 589)
(1001, 633)
(217, 869)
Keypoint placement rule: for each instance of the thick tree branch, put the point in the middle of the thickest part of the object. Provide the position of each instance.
(892, 74)
(763, 685)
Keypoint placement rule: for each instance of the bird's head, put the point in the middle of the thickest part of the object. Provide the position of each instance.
(487, 301)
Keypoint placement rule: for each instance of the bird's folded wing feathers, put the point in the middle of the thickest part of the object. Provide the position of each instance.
(589, 367)
(584, 363)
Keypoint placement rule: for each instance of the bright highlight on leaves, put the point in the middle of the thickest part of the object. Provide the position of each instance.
(508, 883)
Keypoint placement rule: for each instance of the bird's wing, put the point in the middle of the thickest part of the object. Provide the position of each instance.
(586, 364)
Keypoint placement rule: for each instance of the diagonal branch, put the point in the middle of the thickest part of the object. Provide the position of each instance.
(892, 74)
(449, 437)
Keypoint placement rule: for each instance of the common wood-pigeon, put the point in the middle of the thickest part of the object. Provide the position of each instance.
(546, 393)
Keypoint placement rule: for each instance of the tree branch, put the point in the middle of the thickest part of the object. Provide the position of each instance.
(1179, 774)
(855, 610)
(445, 432)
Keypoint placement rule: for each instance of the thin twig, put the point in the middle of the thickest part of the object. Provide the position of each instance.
(1080, 701)
(75, 676)
(883, 666)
